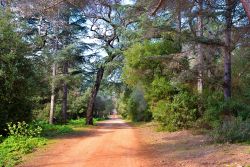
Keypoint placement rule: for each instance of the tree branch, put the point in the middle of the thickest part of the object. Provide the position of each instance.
(157, 7)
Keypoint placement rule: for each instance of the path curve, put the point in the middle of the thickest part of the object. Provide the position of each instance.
(112, 144)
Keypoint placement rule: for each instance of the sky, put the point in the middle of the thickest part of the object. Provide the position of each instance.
(127, 2)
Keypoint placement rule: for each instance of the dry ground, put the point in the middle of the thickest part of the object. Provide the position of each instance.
(183, 149)
(114, 143)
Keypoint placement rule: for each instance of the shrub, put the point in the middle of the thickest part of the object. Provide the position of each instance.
(103, 106)
(232, 130)
(49, 130)
(23, 138)
(137, 107)
(13, 148)
(212, 109)
(178, 113)
(215, 108)
(121, 105)
(23, 129)
(1, 138)
(77, 122)
(132, 105)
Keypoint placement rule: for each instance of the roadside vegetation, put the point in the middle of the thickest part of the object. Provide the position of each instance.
(24, 138)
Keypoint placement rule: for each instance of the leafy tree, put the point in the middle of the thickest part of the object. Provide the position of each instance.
(17, 76)
(105, 18)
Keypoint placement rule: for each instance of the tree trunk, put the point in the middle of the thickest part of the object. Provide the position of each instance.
(178, 23)
(179, 17)
(94, 92)
(65, 94)
(200, 81)
(227, 51)
(246, 6)
(52, 103)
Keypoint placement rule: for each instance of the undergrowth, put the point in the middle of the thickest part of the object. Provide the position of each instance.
(24, 138)
(14, 148)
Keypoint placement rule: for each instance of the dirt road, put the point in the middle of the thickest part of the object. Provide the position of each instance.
(112, 144)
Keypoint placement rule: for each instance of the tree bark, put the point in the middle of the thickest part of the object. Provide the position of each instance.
(246, 6)
(65, 94)
(95, 89)
(52, 103)
(179, 17)
(227, 50)
(200, 82)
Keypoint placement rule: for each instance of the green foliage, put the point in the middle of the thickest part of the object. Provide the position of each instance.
(212, 110)
(99, 119)
(77, 122)
(22, 129)
(215, 108)
(133, 106)
(41, 112)
(78, 105)
(232, 130)
(16, 75)
(103, 106)
(172, 103)
(49, 130)
(140, 65)
(121, 105)
(23, 138)
(137, 107)
(1, 138)
(14, 148)
(174, 111)
(160, 88)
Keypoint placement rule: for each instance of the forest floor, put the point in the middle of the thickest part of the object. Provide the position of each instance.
(186, 149)
(114, 143)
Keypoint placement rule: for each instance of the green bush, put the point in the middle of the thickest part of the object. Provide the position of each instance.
(16, 69)
(232, 130)
(49, 130)
(132, 105)
(212, 110)
(23, 138)
(178, 113)
(121, 105)
(1, 138)
(13, 148)
(103, 106)
(21, 129)
(215, 108)
(78, 105)
(77, 122)
(99, 119)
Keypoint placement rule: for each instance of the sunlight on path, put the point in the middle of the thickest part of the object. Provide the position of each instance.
(112, 144)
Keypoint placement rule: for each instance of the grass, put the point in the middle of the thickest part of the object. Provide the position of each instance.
(77, 123)
(13, 148)
(50, 131)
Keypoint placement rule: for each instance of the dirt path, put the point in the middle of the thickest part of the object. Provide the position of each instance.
(112, 144)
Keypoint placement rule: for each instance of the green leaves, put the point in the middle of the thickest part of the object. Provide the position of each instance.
(14, 148)
(153, 66)
(16, 74)
(176, 113)
(142, 63)
(22, 129)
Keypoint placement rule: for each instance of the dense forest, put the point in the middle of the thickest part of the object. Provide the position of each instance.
(183, 64)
